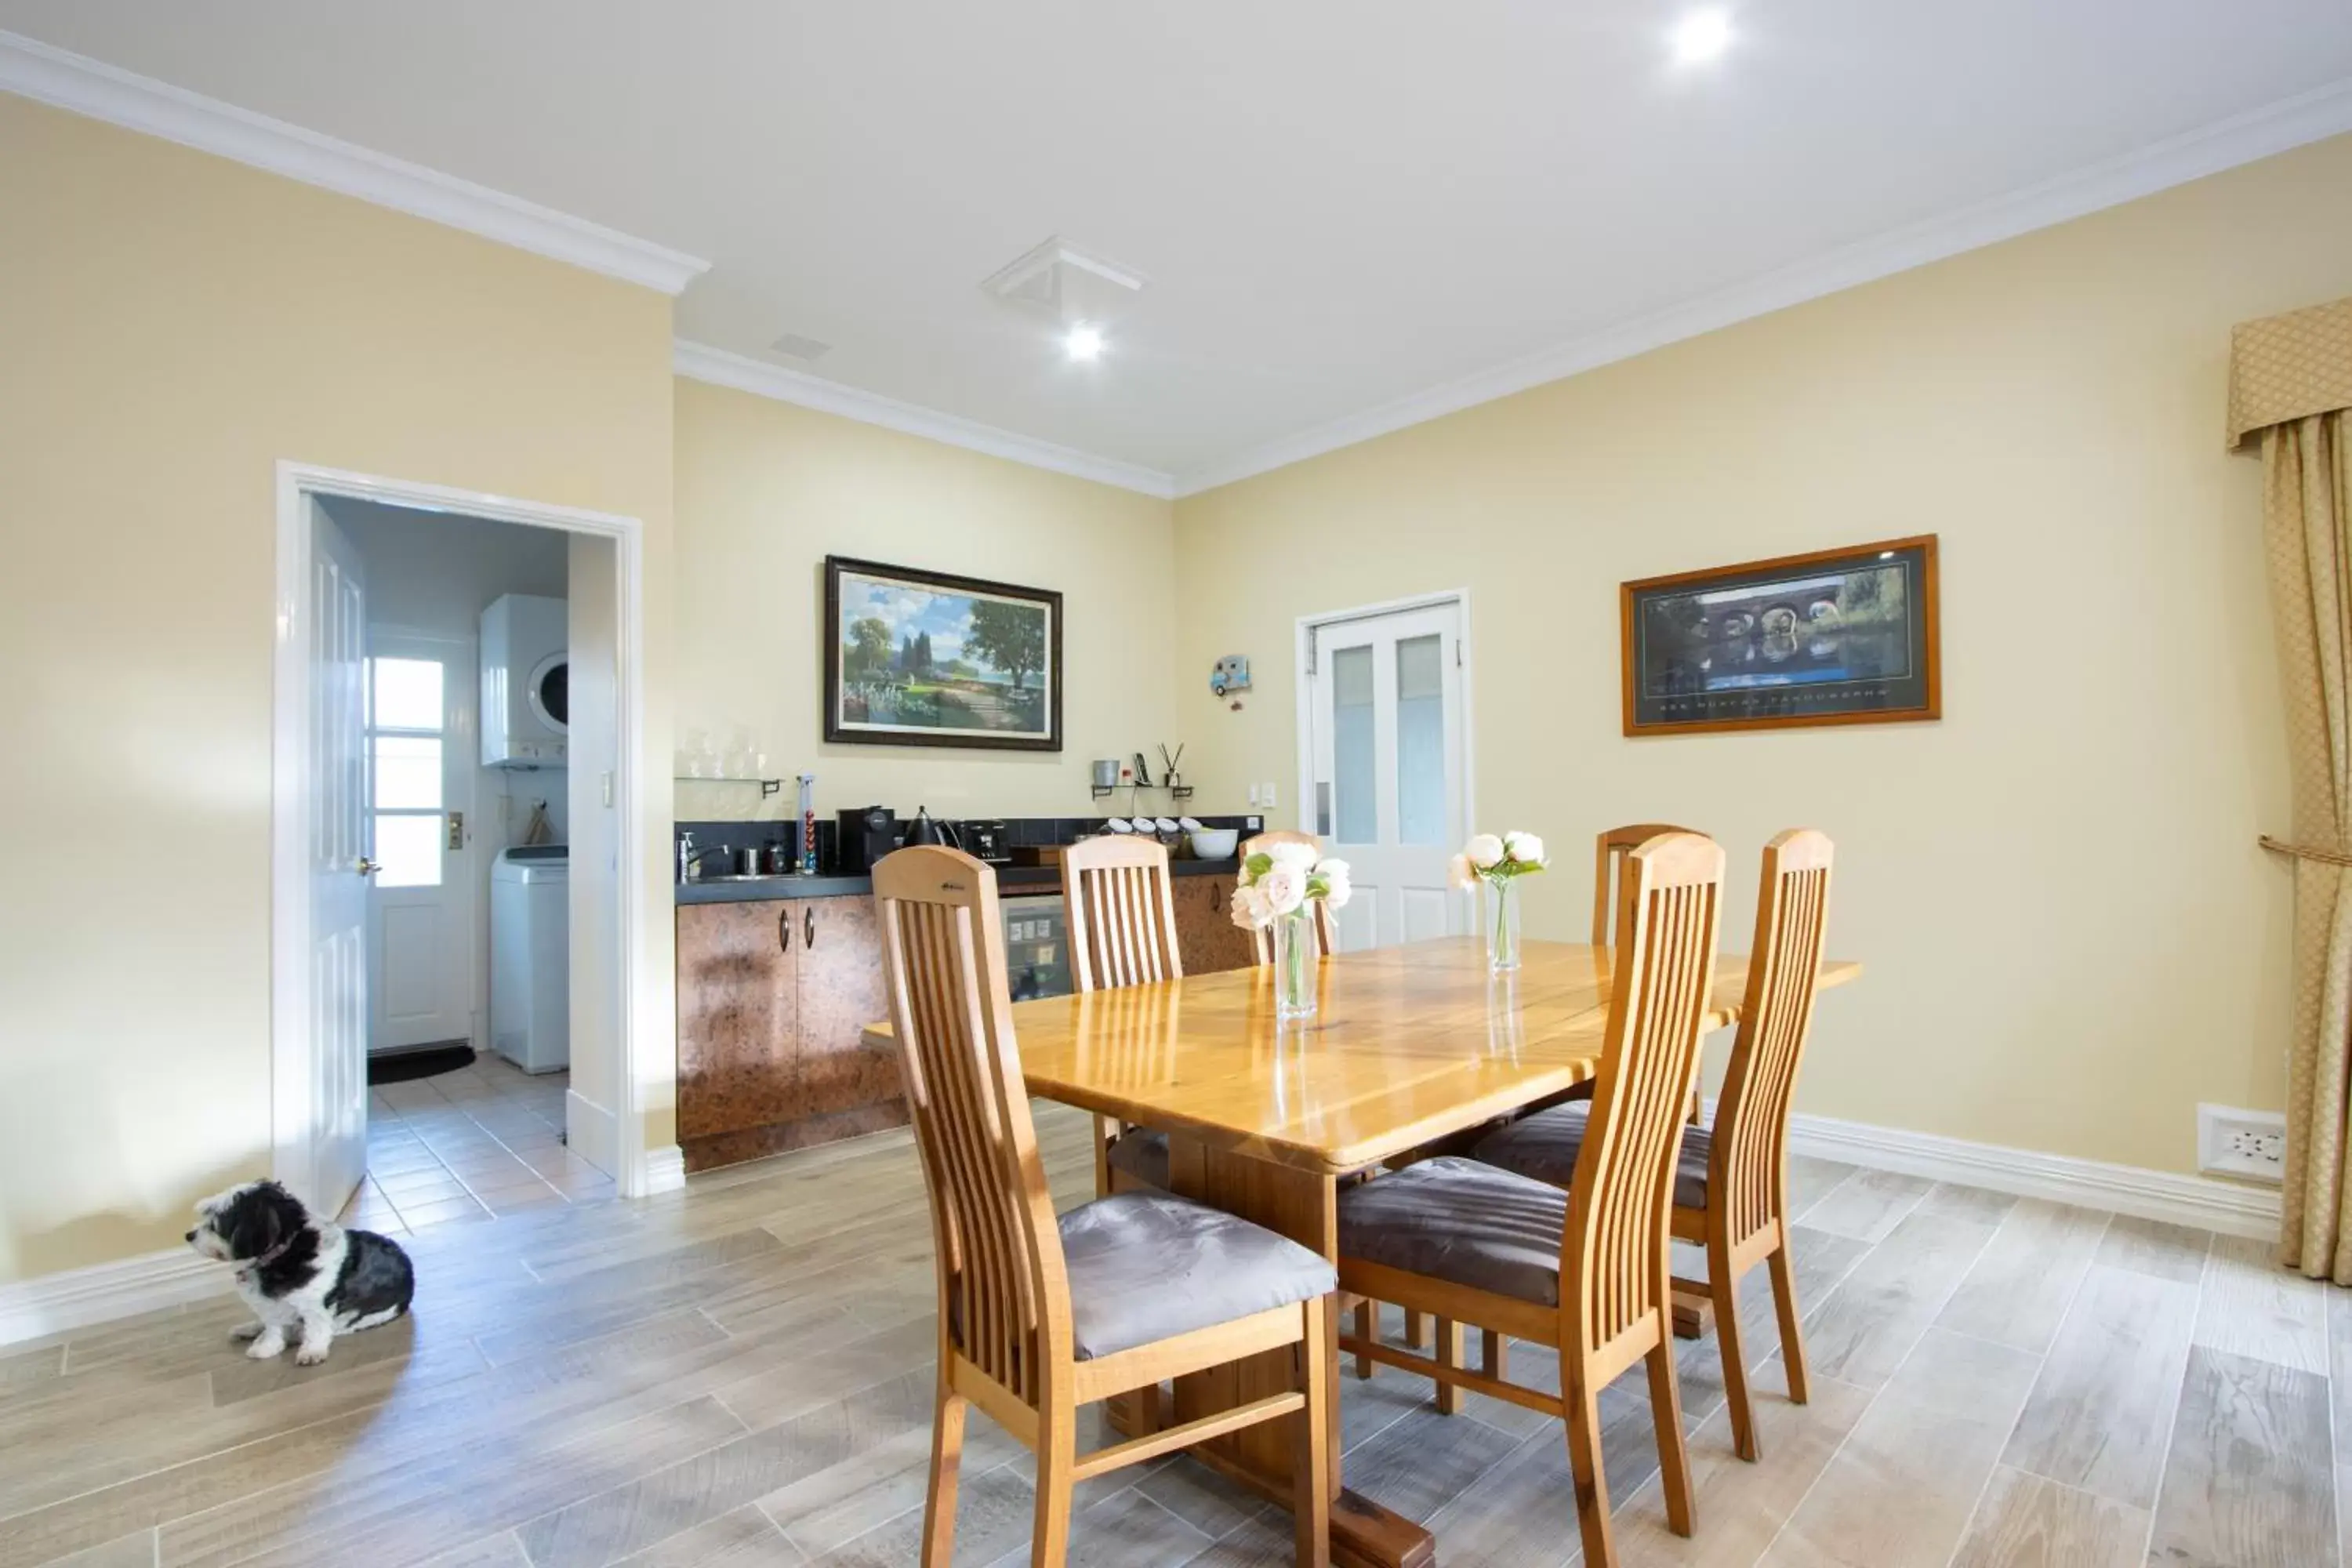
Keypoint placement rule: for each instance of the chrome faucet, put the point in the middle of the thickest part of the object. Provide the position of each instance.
(688, 857)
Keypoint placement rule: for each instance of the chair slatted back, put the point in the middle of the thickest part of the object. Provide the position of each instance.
(1613, 1258)
(1122, 907)
(1003, 1293)
(1748, 1153)
(1609, 852)
(1262, 942)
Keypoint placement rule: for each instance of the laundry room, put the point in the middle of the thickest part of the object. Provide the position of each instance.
(465, 760)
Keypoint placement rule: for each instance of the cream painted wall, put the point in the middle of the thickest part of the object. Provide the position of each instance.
(766, 491)
(175, 325)
(2070, 936)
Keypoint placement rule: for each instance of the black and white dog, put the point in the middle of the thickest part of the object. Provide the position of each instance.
(299, 1276)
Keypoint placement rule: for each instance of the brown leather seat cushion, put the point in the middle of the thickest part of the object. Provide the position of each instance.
(1147, 1266)
(1460, 1221)
(1544, 1145)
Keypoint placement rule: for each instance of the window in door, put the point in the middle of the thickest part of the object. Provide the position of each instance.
(404, 739)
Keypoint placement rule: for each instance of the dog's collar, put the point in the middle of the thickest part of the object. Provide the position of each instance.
(266, 1260)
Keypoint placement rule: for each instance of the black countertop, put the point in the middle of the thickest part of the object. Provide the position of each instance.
(1009, 879)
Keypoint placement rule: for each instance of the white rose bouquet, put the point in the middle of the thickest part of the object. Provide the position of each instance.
(1499, 863)
(1276, 887)
(1282, 879)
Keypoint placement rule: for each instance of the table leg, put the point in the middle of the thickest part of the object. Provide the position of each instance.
(1303, 1206)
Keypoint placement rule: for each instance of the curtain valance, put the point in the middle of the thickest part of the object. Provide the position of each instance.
(2284, 368)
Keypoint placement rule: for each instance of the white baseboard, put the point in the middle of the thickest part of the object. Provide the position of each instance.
(2230, 1207)
(76, 1298)
(665, 1169)
(592, 1132)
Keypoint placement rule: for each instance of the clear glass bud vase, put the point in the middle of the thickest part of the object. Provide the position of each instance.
(1294, 964)
(1503, 923)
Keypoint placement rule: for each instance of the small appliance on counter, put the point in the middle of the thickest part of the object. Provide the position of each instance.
(866, 836)
(988, 841)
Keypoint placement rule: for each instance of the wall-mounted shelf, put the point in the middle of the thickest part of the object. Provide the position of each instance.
(767, 786)
(1181, 792)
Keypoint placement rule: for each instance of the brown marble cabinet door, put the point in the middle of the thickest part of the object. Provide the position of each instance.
(738, 1004)
(841, 993)
(1205, 933)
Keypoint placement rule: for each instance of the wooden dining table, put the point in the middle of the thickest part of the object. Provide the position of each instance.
(1407, 1045)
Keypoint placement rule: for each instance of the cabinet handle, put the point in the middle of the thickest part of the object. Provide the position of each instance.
(808, 926)
(784, 931)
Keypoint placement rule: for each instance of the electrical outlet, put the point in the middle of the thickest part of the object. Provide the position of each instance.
(2235, 1143)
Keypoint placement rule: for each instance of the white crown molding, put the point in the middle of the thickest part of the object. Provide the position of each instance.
(2276, 127)
(85, 86)
(54, 1304)
(700, 361)
(2199, 1201)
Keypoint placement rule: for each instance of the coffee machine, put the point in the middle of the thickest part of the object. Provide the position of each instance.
(866, 836)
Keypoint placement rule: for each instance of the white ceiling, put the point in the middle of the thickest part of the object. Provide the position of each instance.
(1341, 205)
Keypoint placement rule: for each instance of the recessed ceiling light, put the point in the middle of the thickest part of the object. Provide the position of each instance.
(1703, 36)
(1084, 342)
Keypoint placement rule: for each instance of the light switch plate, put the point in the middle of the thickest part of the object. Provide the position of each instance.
(1265, 794)
(1253, 794)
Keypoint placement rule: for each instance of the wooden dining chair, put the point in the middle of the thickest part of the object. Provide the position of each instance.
(1038, 1316)
(1326, 934)
(1610, 848)
(1585, 1269)
(1731, 1188)
(1120, 907)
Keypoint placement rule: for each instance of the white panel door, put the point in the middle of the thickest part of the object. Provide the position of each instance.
(421, 913)
(1385, 751)
(340, 867)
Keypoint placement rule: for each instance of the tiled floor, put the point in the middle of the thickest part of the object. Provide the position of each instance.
(740, 1374)
(487, 1140)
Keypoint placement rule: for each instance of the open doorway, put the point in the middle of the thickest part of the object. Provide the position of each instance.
(452, 801)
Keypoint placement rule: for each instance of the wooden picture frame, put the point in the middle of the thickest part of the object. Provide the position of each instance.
(1834, 637)
(899, 686)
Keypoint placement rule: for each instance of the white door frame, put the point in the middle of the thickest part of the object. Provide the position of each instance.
(289, 971)
(1304, 812)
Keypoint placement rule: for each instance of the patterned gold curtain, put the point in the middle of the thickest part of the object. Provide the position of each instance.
(2290, 385)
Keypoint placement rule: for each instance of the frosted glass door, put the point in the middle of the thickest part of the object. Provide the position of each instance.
(1385, 756)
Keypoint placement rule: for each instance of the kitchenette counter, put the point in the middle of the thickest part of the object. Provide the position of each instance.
(1009, 879)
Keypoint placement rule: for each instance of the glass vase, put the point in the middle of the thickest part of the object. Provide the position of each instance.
(1293, 965)
(1503, 924)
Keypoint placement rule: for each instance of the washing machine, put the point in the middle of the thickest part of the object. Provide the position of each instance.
(530, 957)
(526, 681)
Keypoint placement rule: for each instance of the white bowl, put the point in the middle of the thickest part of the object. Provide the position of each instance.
(1215, 843)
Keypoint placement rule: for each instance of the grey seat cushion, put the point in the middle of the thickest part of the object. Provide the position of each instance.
(1150, 1265)
(1141, 1152)
(1545, 1146)
(1459, 1220)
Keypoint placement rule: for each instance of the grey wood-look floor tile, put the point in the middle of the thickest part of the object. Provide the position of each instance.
(137, 1550)
(1898, 1494)
(432, 1355)
(2019, 1291)
(692, 1491)
(1869, 1323)
(1201, 1497)
(1811, 1180)
(1868, 1204)
(2249, 1483)
(812, 1380)
(1416, 1464)
(447, 1505)
(1264, 1543)
(994, 1512)
(2152, 1247)
(1742, 1507)
(2251, 1306)
(23, 1369)
(1125, 1530)
(835, 1506)
(2101, 1413)
(745, 1538)
(2025, 1521)
(1959, 1376)
(499, 1550)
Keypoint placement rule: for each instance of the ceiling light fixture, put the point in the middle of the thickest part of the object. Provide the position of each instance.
(1084, 342)
(1702, 36)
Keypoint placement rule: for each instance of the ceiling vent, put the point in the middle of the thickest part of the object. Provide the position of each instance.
(1059, 280)
(798, 347)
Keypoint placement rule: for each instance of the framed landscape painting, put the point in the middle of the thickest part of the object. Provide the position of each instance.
(922, 659)
(1838, 637)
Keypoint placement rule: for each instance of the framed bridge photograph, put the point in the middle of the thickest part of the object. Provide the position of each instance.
(1837, 636)
(921, 658)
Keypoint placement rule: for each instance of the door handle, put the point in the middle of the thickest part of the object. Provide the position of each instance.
(808, 926)
(367, 867)
(784, 930)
